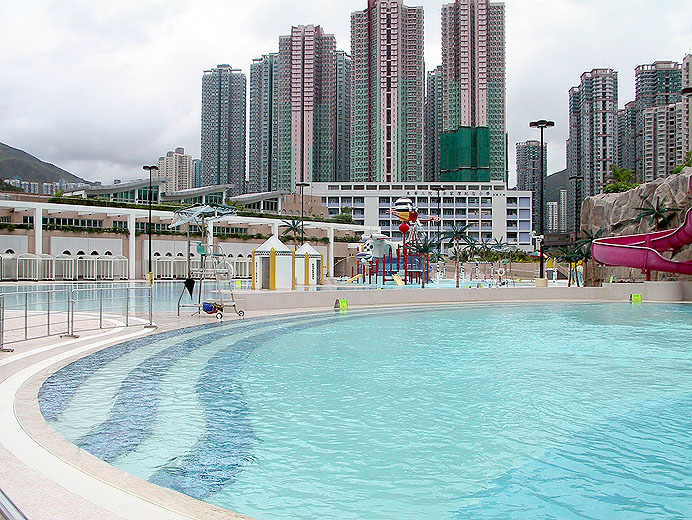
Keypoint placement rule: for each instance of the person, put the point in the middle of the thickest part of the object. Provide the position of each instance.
(580, 275)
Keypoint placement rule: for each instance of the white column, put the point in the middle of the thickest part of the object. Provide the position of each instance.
(38, 230)
(275, 228)
(132, 242)
(330, 251)
(210, 235)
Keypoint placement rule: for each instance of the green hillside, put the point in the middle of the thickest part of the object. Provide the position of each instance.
(17, 163)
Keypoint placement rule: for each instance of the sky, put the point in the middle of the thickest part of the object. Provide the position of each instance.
(101, 88)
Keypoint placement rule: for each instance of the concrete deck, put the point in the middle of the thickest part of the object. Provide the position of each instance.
(49, 478)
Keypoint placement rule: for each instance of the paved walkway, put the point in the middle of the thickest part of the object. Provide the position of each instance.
(49, 478)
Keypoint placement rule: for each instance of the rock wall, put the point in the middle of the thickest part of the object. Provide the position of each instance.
(615, 212)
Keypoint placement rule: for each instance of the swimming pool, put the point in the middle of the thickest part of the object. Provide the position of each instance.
(477, 411)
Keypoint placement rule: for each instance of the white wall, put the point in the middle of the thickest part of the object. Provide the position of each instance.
(17, 243)
(75, 244)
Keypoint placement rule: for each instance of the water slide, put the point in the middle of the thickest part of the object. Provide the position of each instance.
(644, 251)
(357, 277)
(397, 280)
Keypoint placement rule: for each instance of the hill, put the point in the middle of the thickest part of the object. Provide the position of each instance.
(556, 182)
(18, 163)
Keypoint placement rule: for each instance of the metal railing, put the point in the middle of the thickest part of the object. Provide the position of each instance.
(36, 314)
(9, 511)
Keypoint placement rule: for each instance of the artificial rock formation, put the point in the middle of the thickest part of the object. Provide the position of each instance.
(617, 214)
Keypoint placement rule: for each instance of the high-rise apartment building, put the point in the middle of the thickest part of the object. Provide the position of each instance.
(262, 130)
(223, 128)
(473, 70)
(664, 140)
(687, 102)
(342, 153)
(300, 112)
(563, 211)
(432, 124)
(529, 174)
(387, 75)
(307, 67)
(552, 217)
(592, 143)
(177, 168)
(655, 84)
(627, 148)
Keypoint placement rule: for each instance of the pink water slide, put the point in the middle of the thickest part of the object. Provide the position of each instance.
(644, 251)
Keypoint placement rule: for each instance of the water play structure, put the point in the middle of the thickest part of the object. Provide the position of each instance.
(644, 251)
(383, 259)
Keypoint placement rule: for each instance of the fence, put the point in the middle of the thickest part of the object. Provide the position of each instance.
(28, 266)
(41, 313)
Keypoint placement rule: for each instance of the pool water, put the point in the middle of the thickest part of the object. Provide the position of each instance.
(476, 411)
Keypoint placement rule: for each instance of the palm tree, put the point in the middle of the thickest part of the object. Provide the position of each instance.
(584, 247)
(292, 226)
(658, 213)
(425, 247)
(457, 235)
(568, 255)
(457, 255)
(499, 246)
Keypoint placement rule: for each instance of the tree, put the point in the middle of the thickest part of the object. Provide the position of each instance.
(658, 213)
(620, 179)
(425, 247)
(565, 254)
(583, 249)
(346, 216)
(457, 255)
(292, 226)
(457, 235)
(499, 246)
(686, 163)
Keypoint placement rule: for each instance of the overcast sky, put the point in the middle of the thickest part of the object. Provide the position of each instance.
(101, 88)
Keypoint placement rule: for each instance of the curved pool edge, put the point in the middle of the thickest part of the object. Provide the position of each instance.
(70, 473)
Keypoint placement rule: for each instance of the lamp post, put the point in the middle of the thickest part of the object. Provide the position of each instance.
(541, 124)
(302, 186)
(438, 189)
(151, 271)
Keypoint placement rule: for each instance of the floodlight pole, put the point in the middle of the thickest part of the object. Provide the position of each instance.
(541, 124)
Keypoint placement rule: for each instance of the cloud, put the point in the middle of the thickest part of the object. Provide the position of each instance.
(102, 88)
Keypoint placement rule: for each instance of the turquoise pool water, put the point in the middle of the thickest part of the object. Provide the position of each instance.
(536, 411)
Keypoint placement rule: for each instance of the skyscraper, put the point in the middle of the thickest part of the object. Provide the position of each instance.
(300, 112)
(223, 128)
(664, 145)
(592, 144)
(655, 84)
(262, 128)
(432, 125)
(177, 167)
(308, 65)
(342, 156)
(687, 100)
(387, 75)
(529, 174)
(473, 73)
(627, 148)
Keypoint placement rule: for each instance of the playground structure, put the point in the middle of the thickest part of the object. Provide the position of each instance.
(398, 264)
(644, 251)
(382, 258)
